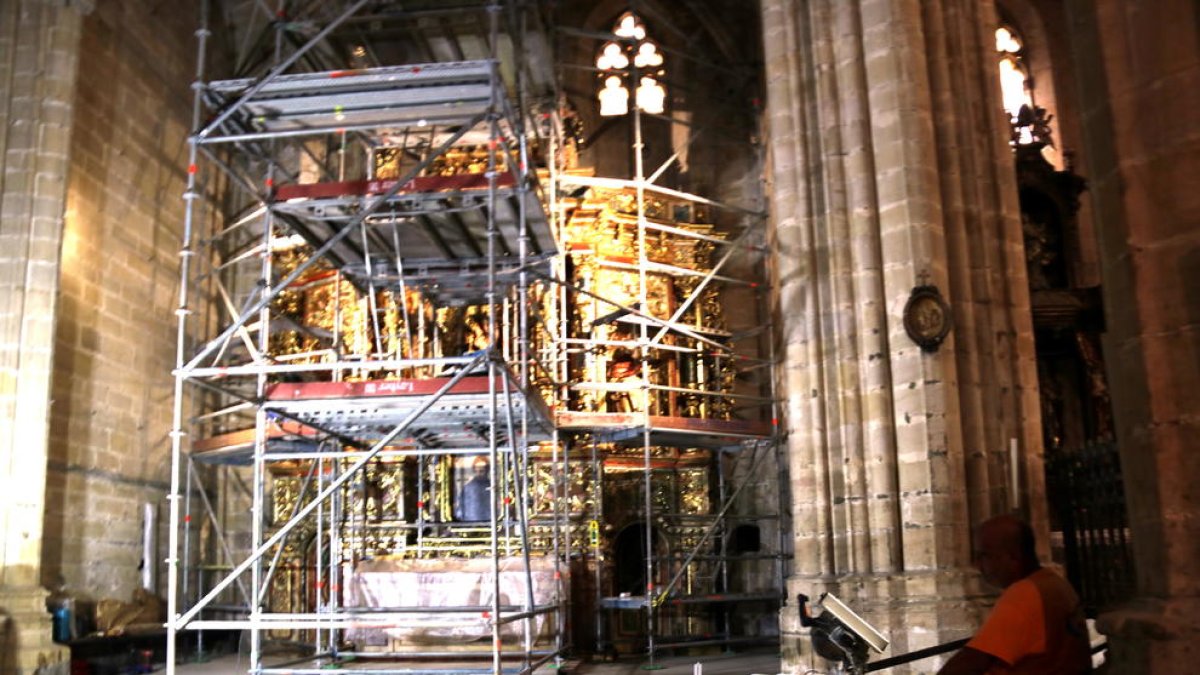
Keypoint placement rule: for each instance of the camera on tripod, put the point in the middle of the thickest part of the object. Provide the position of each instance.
(840, 635)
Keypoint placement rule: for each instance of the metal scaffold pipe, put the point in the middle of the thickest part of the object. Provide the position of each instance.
(182, 312)
(184, 619)
(326, 294)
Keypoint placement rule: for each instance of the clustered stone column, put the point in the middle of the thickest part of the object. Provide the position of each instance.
(1140, 96)
(38, 58)
(891, 169)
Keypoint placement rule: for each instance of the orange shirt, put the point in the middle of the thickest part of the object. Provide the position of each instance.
(1036, 628)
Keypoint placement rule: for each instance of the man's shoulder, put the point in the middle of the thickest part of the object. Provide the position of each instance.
(1023, 590)
(1041, 579)
(1049, 582)
(1013, 629)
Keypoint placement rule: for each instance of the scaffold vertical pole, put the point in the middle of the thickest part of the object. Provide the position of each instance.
(177, 434)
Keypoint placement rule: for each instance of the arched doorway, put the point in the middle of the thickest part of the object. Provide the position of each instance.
(627, 627)
(629, 559)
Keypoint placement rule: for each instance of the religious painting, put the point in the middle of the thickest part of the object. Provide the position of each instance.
(472, 489)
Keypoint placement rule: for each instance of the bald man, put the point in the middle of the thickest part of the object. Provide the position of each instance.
(1037, 626)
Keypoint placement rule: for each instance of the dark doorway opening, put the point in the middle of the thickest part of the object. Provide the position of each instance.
(629, 559)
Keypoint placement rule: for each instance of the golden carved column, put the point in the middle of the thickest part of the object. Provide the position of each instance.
(39, 43)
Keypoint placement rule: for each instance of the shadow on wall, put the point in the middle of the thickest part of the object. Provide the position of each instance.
(8, 643)
(1189, 268)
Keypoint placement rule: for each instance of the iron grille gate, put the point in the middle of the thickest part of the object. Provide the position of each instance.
(1088, 499)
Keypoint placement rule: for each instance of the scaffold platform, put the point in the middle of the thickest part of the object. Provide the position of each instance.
(368, 410)
(442, 94)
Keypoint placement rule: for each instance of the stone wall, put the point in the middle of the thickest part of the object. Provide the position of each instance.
(1053, 68)
(38, 65)
(1138, 111)
(115, 339)
(891, 169)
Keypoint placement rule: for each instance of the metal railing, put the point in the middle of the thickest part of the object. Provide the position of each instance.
(1088, 499)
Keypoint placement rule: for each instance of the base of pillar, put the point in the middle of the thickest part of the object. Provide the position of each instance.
(25, 644)
(914, 611)
(1153, 636)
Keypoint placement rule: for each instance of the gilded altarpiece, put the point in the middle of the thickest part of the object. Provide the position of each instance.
(410, 508)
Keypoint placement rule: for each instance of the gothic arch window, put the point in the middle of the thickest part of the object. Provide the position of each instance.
(632, 60)
(1015, 84)
(1028, 103)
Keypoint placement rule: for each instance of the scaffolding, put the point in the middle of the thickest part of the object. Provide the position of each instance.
(390, 357)
(671, 389)
(332, 181)
(693, 437)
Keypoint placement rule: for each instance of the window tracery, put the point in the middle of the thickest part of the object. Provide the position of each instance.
(1015, 85)
(633, 57)
(1029, 123)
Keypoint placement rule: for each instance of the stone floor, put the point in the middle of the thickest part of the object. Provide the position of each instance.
(749, 663)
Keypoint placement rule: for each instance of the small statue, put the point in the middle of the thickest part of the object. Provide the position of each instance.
(1031, 126)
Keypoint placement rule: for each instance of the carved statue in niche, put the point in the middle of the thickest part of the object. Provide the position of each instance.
(383, 491)
(1031, 126)
(1100, 399)
(577, 489)
(693, 490)
(1050, 394)
(660, 297)
(624, 369)
(474, 499)
(605, 245)
(289, 306)
(391, 162)
(285, 494)
(1043, 250)
(625, 202)
(1049, 205)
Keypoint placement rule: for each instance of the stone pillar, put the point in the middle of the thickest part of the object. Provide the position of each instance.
(891, 169)
(1140, 93)
(38, 55)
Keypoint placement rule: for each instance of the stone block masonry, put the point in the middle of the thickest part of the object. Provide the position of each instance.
(115, 337)
(885, 180)
(38, 56)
